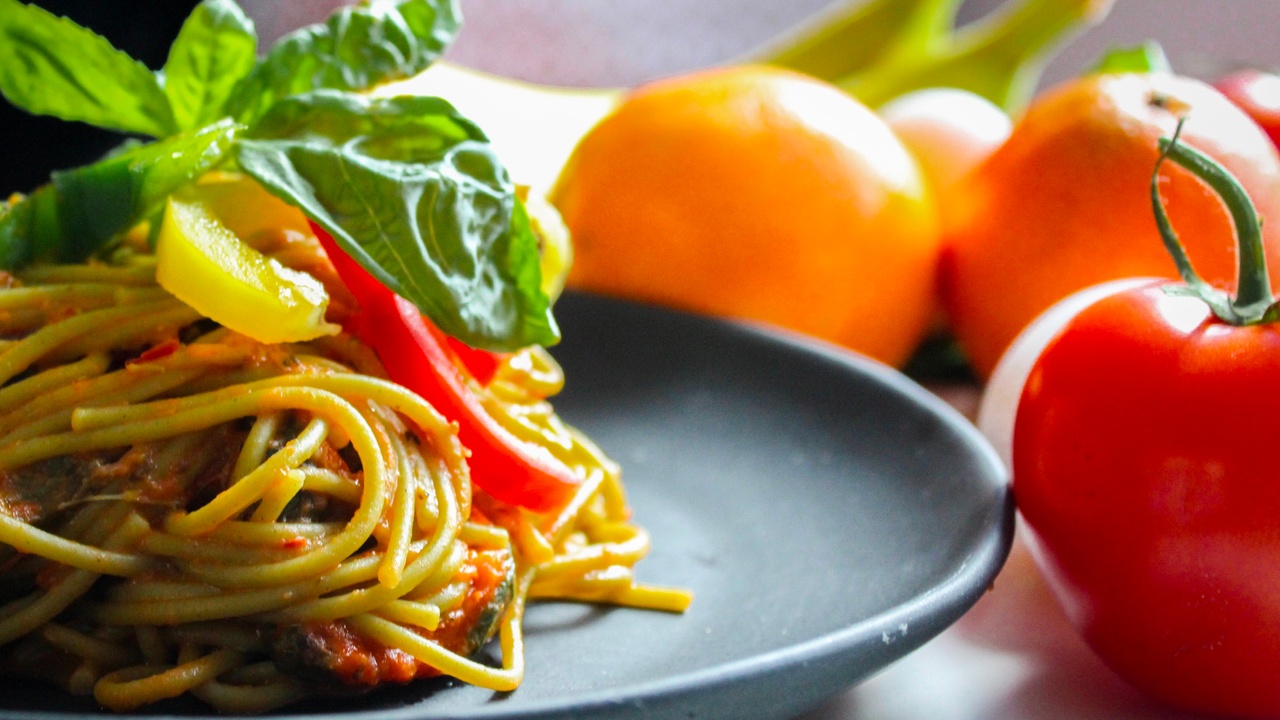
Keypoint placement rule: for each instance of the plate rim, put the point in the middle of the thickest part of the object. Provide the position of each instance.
(941, 604)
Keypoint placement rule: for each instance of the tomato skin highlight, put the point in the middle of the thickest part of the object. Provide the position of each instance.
(1257, 93)
(1143, 470)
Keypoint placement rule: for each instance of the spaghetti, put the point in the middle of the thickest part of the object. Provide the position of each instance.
(186, 510)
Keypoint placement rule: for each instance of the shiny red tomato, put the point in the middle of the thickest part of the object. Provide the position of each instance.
(1143, 469)
(1139, 423)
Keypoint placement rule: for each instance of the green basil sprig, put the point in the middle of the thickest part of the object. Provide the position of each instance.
(216, 48)
(408, 187)
(51, 66)
(412, 191)
(357, 48)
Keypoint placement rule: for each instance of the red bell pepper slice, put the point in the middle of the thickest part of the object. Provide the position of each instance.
(482, 365)
(418, 356)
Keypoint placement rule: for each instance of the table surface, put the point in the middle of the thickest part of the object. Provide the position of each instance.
(1013, 656)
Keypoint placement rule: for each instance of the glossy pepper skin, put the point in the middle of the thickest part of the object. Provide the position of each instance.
(1145, 472)
(420, 357)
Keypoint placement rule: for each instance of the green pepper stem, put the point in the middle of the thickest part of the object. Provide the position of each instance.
(1000, 57)
(1253, 302)
(1148, 57)
(859, 33)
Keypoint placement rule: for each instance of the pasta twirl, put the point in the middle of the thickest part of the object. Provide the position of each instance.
(186, 510)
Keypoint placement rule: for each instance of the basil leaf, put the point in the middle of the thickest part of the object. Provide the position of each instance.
(214, 50)
(414, 193)
(356, 48)
(51, 66)
(85, 208)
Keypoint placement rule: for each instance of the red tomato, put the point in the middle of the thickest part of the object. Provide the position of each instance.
(1258, 94)
(1143, 472)
(1137, 424)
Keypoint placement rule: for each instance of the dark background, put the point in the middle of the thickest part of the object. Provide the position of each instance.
(30, 147)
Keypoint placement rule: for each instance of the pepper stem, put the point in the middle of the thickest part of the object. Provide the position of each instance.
(1253, 302)
(999, 57)
(854, 35)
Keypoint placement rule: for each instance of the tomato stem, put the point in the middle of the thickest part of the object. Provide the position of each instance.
(1253, 302)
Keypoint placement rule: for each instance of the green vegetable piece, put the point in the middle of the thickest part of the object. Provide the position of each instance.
(84, 209)
(215, 49)
(1000, 57)
(853, 36)
(414, 193)
(51, 66)
(357, 48)
(1145, 58)
(16, 219)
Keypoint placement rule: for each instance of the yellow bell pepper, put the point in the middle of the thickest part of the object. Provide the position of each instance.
(206, 265)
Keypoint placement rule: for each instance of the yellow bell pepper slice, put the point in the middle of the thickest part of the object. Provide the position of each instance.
(246, 208)
(554, 246)
(204, 264)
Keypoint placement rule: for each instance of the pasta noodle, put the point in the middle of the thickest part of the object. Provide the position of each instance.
(186, 510)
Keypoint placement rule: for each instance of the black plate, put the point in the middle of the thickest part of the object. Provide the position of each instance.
(830, 515)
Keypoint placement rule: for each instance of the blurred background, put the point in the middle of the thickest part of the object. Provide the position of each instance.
(621, 42)
(590, 42)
